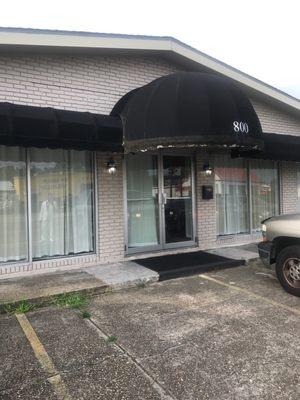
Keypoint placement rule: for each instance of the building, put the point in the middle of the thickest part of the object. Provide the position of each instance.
(114, 146)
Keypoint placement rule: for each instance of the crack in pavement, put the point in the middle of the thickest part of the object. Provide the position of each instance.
(158, 386)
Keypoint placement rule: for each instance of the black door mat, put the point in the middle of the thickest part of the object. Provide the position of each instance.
(183, 264)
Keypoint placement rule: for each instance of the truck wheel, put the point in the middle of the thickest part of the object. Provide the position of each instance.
(288, 269)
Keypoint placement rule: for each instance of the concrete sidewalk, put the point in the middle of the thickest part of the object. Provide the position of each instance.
(42, 286)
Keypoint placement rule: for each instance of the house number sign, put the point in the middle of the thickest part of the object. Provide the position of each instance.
(240, 127)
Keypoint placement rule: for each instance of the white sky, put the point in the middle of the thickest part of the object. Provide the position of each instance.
(259, 37)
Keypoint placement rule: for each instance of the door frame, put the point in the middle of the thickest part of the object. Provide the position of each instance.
(162, 245)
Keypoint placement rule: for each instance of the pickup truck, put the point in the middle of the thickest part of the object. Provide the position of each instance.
(281, 246)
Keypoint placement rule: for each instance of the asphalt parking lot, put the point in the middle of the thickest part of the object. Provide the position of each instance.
(231, 334)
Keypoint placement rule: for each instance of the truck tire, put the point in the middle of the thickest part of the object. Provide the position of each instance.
(288, 269)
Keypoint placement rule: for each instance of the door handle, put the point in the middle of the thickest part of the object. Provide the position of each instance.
(164, 196)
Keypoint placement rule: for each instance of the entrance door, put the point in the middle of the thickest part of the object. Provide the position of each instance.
(159, 202)
(177, 200)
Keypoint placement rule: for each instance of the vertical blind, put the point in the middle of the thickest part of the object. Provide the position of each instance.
(61, 193)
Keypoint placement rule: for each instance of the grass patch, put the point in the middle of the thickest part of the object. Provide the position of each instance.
(21, 307)
(85, 314)
(71, 300)
(112, 339)
(141, 285)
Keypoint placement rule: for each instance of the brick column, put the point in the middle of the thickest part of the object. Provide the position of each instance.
(110, 209)
(206, 209)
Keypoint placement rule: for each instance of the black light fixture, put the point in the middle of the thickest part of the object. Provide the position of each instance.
(207, 169)
(111, 167)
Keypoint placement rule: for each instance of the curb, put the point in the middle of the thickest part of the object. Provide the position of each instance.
(47, 300)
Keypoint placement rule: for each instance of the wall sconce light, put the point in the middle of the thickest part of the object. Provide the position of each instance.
(207, 169)
(111, 167)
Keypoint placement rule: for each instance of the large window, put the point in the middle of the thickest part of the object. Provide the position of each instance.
(58, 220)
(231, 196)
(235, 179)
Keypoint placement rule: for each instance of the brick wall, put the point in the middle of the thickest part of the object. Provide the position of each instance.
(110, 210)
(79, 83)
(274, 120)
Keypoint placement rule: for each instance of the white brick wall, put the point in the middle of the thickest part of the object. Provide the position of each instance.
(110, 210)
(95, 84)
(79, 83)
(274, 120)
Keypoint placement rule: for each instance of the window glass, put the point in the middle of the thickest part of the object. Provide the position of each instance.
(13, 205)
(298, 187)
(231, 190)
(142, 200)
(61, 202)
(264, 191)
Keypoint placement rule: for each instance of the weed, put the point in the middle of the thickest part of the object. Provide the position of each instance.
(21, 307)
(111, 339)
(85, 314)
(141, 285)
(71, 300)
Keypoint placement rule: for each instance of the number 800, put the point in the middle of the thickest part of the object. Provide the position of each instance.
(240, 127)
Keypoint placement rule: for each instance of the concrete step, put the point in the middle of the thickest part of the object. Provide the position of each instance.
(42, 289)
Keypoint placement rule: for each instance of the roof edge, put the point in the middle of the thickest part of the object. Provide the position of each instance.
(10, 37)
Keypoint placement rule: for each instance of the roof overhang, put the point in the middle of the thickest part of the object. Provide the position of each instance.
(17, 38)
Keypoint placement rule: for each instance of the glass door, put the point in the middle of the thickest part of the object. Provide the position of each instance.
(177, 197)
(142, 203)
(159, 202)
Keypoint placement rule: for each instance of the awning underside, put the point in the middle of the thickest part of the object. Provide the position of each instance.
(48, 127)
(277, 147)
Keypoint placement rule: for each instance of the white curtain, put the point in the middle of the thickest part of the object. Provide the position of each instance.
(62, 202)
(142, 200)
(231, 195)
(264, 190)
(13, 205)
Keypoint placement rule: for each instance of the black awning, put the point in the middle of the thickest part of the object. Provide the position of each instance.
(277, 147)
(48, 127)
(188, 109)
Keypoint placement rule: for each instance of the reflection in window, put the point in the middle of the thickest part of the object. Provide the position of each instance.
(13, 205)
(61, 202)
(231, 187)
(264, 191)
